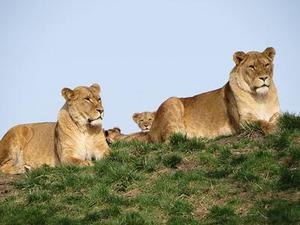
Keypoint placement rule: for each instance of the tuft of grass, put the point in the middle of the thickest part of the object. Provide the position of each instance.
(280, 141)
(219, 173)
(138, 147)
(180, 142)
(180, 220)
(147, 164)
(223, 216)
(103, 214)
(251, 129)
(132, 218)
(181, 207)
(289, 122)
(274, 212)
(172, 160)
(282, 212)
(295, 153)
(290, 178)
(41, 196)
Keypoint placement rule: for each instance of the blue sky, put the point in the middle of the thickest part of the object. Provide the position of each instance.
(140, 52)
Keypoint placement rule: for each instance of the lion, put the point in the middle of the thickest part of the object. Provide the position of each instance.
(114, 134)
(76, 138)
(249, 96)
(144, 120)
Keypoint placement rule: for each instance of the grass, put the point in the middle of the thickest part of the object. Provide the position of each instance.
(244, 179)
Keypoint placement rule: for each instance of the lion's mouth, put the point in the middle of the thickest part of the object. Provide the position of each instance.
(262, 86)
(98, 118)
(262, 90)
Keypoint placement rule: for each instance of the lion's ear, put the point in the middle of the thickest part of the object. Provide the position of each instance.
(135, 117)
(117, 129)
(95, 88)
(270, 52)
(67, 93)
(238, 57)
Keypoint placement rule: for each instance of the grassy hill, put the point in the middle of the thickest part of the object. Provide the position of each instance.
(243, 179)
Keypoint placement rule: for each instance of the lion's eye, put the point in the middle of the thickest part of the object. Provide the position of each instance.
(99, 99)
(267, 65)
(150, 119)
(87, 99)
(252, 67)
(141, 120)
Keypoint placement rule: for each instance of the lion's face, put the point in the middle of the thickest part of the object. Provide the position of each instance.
(112, 135)
(85, 105)
(254, 70)
(144, 120)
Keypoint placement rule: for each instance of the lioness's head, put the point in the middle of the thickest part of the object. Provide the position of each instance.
(84, 104)
(144, 120)
(112, 135)
(254, 71)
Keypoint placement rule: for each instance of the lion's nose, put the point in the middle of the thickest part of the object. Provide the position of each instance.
(263, 78)
(100, 111)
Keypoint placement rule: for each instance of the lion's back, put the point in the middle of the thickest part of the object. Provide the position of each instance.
(31, 142)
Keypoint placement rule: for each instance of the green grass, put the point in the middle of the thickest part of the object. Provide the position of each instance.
(180, 142)
(244, 179)
(172, 160)
(223, 216)
(289, 122)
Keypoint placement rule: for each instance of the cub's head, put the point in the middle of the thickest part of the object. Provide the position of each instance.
(144, 120)
(84, 105)
(254, 71)
(112, 135)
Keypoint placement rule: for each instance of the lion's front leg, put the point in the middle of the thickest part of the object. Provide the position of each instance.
(101, 153)
(10, 167)
(99, 149)
(75, 160)
(268, 127)
(271, 126)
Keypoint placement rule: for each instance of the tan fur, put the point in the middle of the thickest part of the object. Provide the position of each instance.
(242, 100)
(115, 134)
(28, 146)
(139, 136)
(76, 138)
(144, 120)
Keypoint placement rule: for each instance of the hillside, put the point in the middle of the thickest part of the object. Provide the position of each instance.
(243, 179)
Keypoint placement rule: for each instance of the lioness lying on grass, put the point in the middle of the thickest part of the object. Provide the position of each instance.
(76, 138)
(249, 96)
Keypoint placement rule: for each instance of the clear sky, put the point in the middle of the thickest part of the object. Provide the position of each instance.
(140, 52)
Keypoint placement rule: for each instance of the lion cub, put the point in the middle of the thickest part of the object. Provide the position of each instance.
(76, 138)
(144, 120)
(114, 134)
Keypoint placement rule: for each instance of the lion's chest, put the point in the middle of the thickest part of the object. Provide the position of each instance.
(263, 112)
(87, 147)
(259, 111)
